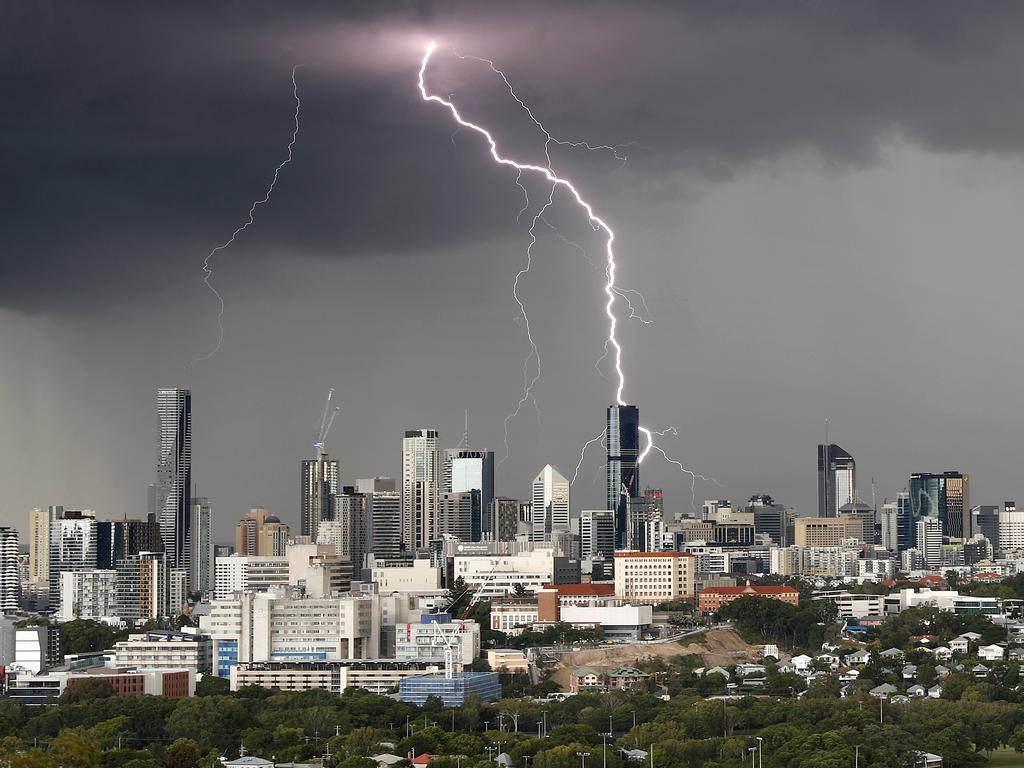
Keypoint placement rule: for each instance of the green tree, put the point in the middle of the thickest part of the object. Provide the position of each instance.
(85, 635)
(184, 753)
(86, 690)
(211, 685)
(73, 749)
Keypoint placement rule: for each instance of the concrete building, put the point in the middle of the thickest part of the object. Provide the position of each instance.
(929, 540)
(456, 513)
(72, 548)
(242, 573)
(351, 526)
(88, 595)
(200, 575)
(617, 622)
(261, 533)
(504, 514)
(825, 531)
(379, 676)
(280, 624)
(511, 617)
(163, 650)
(654, 577)
(1011, 527)
(404, 575)
(426, 639)
(498, 575)
(319, 484)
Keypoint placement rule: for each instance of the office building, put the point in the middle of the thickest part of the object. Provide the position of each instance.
(861, 519)
(456, 513)
(943, 496)
(427, 639)
(469, 470)
(421, 486)
(771, 519)
(504, 515)
(985, 520)
(162, 649)
(39, 542)
(118, 539)
(200, 575)
(623, 483)
(713, 598)
(379, 676)
(825, 531)
(654, 577)
(1011, 527)
(837, 479)
(10, 571)
(349, 531)
(498, 575)
(320, 484)
(261, 533)
(248, 573)
(385, 516)
(550, 508)
(174, 474)
(72, 548)
(597, 534)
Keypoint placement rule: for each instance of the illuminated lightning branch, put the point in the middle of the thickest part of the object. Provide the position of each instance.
(207, 268)
(595, 221)
(694, 476)
(583, 452)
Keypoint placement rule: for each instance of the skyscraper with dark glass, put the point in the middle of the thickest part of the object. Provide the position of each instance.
(837, 479)
(623, 437)
(174, 474)
(945, 496)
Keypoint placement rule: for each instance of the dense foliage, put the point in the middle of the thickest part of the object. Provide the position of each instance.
(763, 620)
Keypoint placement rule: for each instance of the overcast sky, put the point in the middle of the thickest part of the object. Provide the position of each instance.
(822, 207)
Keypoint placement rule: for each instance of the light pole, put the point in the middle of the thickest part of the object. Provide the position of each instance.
(604, 750)
(752, 750)
(634, 718)
(583, 758)
(759, 742)
(856, 756)
(527, 759)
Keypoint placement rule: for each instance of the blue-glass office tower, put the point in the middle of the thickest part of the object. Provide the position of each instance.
(623, 437)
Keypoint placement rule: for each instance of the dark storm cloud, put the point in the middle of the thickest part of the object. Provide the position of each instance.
(136, 135)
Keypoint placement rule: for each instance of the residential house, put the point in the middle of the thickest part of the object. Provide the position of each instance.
(626, 678)
(991, 652)
(585, 679)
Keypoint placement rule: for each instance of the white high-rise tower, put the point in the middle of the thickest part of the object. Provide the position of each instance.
(550, 503)
(421, 484)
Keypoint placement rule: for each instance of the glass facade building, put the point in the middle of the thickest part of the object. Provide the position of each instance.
(623, 435)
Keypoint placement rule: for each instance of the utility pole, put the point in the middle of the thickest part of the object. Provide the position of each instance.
(759, 742)
(583, 758)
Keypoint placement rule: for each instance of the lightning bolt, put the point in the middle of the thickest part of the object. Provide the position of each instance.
(207, 268)
(613, 348)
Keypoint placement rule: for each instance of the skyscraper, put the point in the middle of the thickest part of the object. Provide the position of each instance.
(421, 485)
(456, 513)
(384, 515)
(10, 572)
(200, 576)
(771, 518)
(39, 521)
(174, 474)
(550, 508)
(597, 534)
(929, 540)
(351, 512)
(623, 436)
(944, 496)
(985, 520)
(837, 479)
(320, 484)
(465, 471)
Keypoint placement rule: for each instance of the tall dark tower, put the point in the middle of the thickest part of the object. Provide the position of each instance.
(623, 469)
(174, 473)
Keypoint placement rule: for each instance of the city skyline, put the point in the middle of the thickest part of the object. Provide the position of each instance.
(402, 240)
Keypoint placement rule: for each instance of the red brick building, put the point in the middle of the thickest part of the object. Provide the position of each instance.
(713, 598)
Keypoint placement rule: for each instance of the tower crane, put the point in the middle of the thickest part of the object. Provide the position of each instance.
(326, 421)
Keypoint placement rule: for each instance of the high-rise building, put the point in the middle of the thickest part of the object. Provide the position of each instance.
(550, 508)
(837, 479)
(117, 539)
(174, 473)
(456, 513)
(1011, 527)
(421, 485)
(465, 471)
(72, 548)
(39, 542)
(944, 496)
(261, 533)
(200, 576)
(597, 534)
(985, 520)
(715, 508)
(10, 571)
(351, 526)
(888, 526)
(771, 518)
(929, 540)
(383, 514)
(320, 484)
(504, 514)
(623, 436)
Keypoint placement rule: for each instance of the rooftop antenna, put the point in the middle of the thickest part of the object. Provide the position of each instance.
(464, 442)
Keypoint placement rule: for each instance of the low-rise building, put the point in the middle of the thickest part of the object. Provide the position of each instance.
(161, 649)
(713, 598)
(626, 678)
(509, 661)
(429, 638)
(654, 577)
(617, 622)
(497, 575)
(380, 676)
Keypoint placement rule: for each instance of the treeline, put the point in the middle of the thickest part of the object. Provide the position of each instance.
(763, 620)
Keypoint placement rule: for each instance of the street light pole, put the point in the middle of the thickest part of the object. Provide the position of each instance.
(752, 750)
(856, 756)
(759, 741)
(583, 758)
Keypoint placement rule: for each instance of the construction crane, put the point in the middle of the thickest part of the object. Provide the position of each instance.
(326, 420)
(451, 643)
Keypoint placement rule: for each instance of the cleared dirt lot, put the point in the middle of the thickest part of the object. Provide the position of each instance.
(717, 647)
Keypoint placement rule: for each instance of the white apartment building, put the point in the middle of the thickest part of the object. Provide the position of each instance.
(654, 577)
(828, 561)
(853, 606)
(1011, 528)
(380, 676)
(498, 575)
(268, 626)
(248, 573)
(426, 640)
(10, 570)
(87, 595)
(165, 650)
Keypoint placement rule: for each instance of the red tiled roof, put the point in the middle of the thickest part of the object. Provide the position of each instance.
(422, 759)
(932, 579)
(748, 589)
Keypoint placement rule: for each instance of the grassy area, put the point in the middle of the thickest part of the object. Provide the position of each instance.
(1006, 758)
(692, 639)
